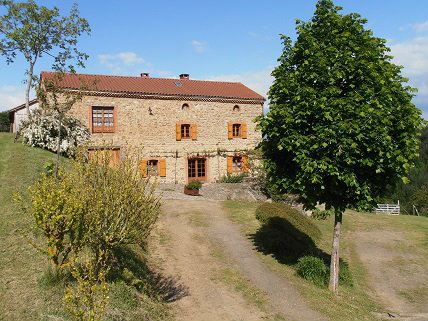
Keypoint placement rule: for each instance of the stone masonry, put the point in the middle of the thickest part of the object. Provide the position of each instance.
(148, 125)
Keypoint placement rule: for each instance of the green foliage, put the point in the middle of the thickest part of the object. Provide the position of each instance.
(312, 269)
(4, 121)
(415, 191)
(57, 212)
(229, 178)
(317, 271)
(341, 123)
(87, 300)
(285, 231)
(34, 31)
(49, 168)
(321, 215)
(195, 184)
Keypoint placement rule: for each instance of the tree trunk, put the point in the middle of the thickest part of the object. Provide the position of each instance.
(27, 90)
(334, 264)
(58, 150)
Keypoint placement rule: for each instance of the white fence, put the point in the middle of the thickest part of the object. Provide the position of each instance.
(391, 209)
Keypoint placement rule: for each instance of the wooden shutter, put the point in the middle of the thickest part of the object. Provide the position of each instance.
(245, 164)
(143, 168)
(229, 164)
(244, 130)
(229, 130)
(162, 167)
(178, 131)
(114, 158)
(194, 132)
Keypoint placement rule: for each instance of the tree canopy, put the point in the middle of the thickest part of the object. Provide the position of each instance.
(341, 124)
(35, 31)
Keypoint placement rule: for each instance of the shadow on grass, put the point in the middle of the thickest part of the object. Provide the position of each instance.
(280, 239)
(130, 266)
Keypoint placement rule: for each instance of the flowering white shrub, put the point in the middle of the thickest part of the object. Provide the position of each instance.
(42, 131)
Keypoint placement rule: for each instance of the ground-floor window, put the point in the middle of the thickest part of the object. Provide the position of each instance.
(237, 164)
(153, 167)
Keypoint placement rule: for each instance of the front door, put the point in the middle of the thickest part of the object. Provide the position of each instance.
(197, 169)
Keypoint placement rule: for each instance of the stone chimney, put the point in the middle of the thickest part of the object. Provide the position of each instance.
(184, 76)
(145, 75)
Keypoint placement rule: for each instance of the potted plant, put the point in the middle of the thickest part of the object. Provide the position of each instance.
(193, 188)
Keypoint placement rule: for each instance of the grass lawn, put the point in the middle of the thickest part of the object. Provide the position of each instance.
(357, 302)
(27, 290)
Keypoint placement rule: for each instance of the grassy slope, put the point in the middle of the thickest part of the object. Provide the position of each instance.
(353, 303)
(27, 292)
(20, 263)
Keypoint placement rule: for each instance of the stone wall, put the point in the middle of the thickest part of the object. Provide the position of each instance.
(149, 127)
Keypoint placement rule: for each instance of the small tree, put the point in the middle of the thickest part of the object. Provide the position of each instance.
(341, 124)
(34, 31)
(59, 101)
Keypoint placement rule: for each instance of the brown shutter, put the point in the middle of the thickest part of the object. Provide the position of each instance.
(229, 164)
(143, 169)
(194, 132)
(244, 130)
(162, 167)
(114, 158)
(229, 131)
(245, 164)
(178, 131)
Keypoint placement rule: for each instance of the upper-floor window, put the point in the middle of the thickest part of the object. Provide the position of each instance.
(185, 107)
(237, 130)
(236, 108)
(186, 131)
(103, 120)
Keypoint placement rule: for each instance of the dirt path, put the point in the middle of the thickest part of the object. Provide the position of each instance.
(398, 276)
(187, 233)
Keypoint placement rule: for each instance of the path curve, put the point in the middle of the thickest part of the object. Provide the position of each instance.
(282, 296)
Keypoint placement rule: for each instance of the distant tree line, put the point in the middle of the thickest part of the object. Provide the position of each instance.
(416, 191)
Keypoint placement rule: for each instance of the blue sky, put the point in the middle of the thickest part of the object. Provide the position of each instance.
(220, 40)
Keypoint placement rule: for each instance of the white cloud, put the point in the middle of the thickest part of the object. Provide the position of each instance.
(12, 96)
(199, 46)
(421, 27)
(259, 81)
(118, 63)
(413, 55)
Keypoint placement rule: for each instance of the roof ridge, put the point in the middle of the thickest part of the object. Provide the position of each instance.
(138, 77)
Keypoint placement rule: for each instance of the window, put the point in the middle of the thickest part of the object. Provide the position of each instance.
(237, 164)
(197, 169)
(237, 130)
(236, 108)
(103, 120)
(153, 167)
(104, 155)
(185, 107)
(185, 131)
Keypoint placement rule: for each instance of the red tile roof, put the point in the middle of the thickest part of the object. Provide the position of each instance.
(157, 86)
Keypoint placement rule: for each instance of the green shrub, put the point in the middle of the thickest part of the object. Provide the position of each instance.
(321, 215)
(317, 271)
(313, 269)
(285, 232)
(194, 185)
(229, 178)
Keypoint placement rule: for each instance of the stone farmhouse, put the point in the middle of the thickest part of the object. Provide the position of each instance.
(185, 129)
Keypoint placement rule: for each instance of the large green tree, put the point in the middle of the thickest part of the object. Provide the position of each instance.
(35, 31)
(341, 124)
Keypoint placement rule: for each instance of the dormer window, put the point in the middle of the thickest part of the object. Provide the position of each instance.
(236, 108)
(185, 107)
